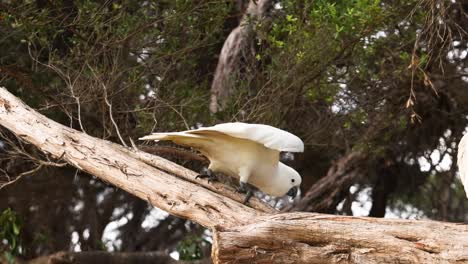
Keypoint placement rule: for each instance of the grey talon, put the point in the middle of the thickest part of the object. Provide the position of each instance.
(243, 187)
(207, 174)
(247, 196)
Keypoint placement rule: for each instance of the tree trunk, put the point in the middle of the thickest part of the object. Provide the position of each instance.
(384, 185)
(241, 234)
(237, 48)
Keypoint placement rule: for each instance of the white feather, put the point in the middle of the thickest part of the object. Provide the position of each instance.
(270, 137)
(462, 161)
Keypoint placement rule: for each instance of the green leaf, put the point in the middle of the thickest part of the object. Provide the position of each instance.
(16, 228)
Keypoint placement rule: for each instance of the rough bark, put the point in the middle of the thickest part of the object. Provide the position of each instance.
(241, 234)
(325, 194)
(317, 238)
(237, 48)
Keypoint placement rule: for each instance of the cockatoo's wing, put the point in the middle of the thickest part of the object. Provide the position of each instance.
(184, 138)
(463, 161)
(271, 137)
(171, 135)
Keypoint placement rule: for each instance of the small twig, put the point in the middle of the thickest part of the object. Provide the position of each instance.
(134, 146)
(104, 87)
(78, 104)
(111, 117)
(38, 167)
(66, 78)
(177, 112)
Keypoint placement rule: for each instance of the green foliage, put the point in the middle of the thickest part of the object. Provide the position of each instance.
(190, 248)
(305, 40)
(348, 18)
(10, 229)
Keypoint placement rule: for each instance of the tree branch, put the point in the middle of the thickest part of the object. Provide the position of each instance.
(123, 168)
(318, 238)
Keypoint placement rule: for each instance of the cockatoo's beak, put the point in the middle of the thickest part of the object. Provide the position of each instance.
(293, 192)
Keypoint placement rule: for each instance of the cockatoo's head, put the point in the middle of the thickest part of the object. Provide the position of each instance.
(289, 181)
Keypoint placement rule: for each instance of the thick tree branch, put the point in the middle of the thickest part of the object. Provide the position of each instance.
(317, 238)
(123, 168)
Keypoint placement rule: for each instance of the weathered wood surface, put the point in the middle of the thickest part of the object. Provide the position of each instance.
(318, 238)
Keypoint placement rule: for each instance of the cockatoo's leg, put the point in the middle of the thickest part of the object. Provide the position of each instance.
(207, 174)
(245, 188)
(244, 174)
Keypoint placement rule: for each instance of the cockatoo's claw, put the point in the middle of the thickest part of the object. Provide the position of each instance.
(243, 187)
(212, 179)
(248, 195)
(207, 174)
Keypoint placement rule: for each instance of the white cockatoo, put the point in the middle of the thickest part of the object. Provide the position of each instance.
(462, 161)
(249, 152)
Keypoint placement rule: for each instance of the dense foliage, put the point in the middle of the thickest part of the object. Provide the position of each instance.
(385, 78)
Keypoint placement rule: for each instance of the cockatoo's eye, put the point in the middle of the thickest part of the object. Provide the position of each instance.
(292, 180)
